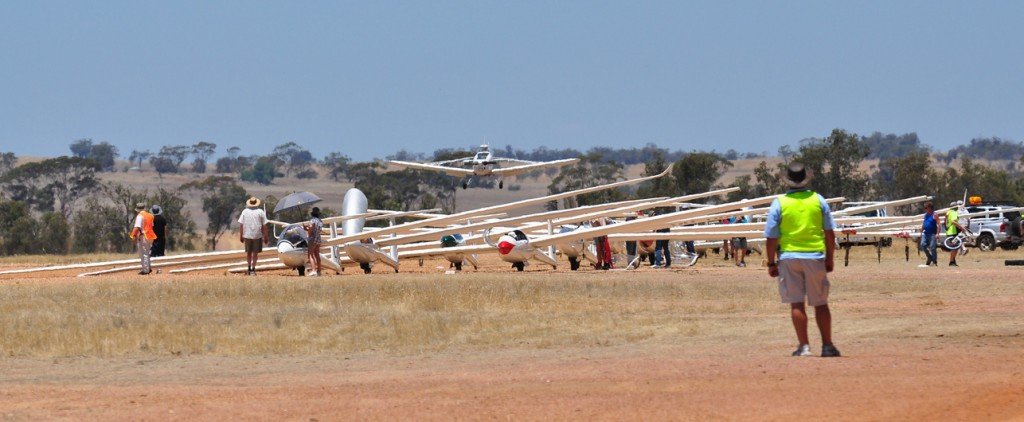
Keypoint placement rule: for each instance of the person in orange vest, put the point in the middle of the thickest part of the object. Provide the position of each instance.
(143, 235)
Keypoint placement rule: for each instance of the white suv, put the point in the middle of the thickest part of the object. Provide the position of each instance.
(1002, 229)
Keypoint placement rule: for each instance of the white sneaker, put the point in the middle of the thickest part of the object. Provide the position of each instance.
(922, 266)
(803, 350)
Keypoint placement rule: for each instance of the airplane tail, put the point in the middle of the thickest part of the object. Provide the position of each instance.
(354, 203)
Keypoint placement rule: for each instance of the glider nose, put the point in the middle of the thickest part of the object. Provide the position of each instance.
(505, 247)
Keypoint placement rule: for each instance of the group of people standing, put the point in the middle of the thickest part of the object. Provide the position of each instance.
(149, 234)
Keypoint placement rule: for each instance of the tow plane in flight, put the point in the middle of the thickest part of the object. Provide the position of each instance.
(484, 164)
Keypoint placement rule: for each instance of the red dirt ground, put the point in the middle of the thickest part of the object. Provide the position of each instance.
(910, 380)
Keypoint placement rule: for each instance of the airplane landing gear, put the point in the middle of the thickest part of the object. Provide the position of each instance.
(465, 185)
(458, 266)
(519, 266)
(366, 268)
(301, 270)
(501, 184)
(574, 263)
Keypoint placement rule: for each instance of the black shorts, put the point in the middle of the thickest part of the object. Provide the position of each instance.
(253, 245)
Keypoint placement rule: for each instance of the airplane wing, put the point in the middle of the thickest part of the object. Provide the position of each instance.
(650, 223)
(642, 206)
(156, 262)
(877, 205)
(514, 170)
(435, 234)
(512, 160)
(457, 172)
(423, 253)
(461, 161)
(405, 227)
(384, 215)
(327, 220)
(684, 236)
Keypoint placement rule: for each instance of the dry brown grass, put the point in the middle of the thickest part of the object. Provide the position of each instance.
(402, 314)
(47, 260)
(414, 313)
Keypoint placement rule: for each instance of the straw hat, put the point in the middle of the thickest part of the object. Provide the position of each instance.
(253, 202)
(141, 206)
(797, 176)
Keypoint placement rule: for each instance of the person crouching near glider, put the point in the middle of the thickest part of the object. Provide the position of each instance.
(314, 227)
(143, 236)
(800, 234)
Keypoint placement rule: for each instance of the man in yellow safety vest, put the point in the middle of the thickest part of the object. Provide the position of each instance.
(800, 247)
(953, 228)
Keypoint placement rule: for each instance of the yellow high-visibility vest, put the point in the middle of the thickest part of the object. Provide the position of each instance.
(951, 219)
(801, 228)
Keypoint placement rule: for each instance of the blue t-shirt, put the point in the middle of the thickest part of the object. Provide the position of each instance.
(930, 225)
(739, 220)
(771, 227)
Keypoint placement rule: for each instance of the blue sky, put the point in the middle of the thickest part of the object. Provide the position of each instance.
(369, 78)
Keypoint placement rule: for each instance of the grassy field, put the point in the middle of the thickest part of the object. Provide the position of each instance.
(401, 314)
(414, 313)
(46, 260)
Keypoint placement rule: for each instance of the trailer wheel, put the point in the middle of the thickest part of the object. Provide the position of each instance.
(519, 266)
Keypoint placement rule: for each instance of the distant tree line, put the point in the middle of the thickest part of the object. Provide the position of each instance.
(905, 168)
(59, 205)
(987, 149)
(839, 163)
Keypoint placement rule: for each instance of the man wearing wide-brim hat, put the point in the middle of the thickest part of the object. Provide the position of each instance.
(800, 247)
(252, 232)
(160, 228)
(143, 236)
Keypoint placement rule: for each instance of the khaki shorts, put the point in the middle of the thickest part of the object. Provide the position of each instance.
(253, 245)
(800, 278)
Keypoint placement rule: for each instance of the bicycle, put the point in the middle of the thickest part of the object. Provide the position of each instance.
(960, 241)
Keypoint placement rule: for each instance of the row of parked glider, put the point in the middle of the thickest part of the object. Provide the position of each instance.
(539, 237)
